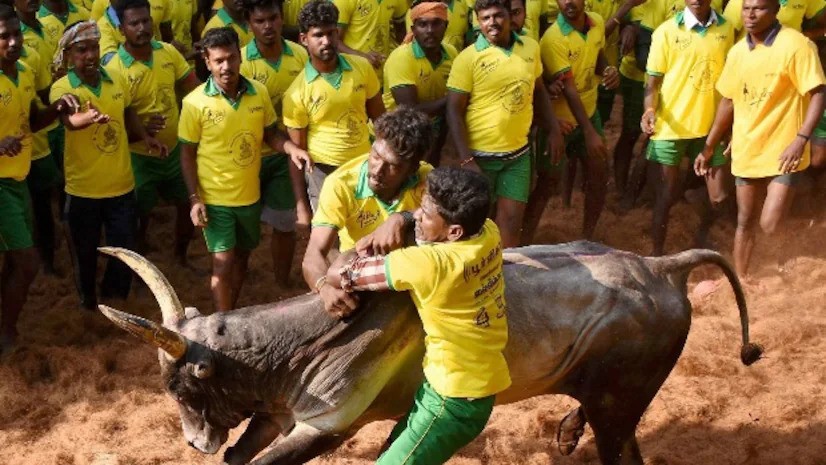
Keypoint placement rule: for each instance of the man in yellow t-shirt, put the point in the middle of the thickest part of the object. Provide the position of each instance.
(493, 88)
(231, 14)
(370, 28)
(792, 14)
(327, 107)
(378, 189)
(55, 15)
(457, 23)
(274, 62)
(223, 124)
(686, 58)
(774, 83)
(415, 74)
(454, 277)
(103, 12)
(154, 71)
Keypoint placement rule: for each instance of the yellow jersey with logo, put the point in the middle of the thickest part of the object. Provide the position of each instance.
(651, 14)
(159, 10)
(459, 292)
(690, 62)
(334, 113)
(110, 35)
(769, 88)
(42, 81)
(534, 10)
(229, 135)
(16, 97)
(182, 13)
(290, 10)
(606, 9)
(408, 66)
(367, 23)
(222, 19)
(152, 88)
(54, 25)
(96, 158)
(457, 23)
(791, 14)
(500, 85)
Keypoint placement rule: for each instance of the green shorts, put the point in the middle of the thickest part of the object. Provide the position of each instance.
(277, 193)
(435, 428)
(575, 141)
(15, 216)
(156, 177)
(672, 152)
(633, 98)
(819, 135)
(44, 174)
(509, 179)
(230, 227)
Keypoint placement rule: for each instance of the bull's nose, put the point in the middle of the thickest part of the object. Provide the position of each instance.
(192, 444)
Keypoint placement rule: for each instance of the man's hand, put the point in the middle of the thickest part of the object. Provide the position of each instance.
(790, 158)
(11, 146)
(628, 39)
(470, 164)
(388, 237)
(155, 124)
(555, 148)
(702, 165)
(338, 302)
(649, 118)
(155, 146)
(198, 214)
(610, 77)
(375, 58)
(566, 127)
(300, 158)
(88, 115)
(67, 104)
(595, 145)
(555, 89)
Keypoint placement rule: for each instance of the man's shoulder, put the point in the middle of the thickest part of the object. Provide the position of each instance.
(347, 175)
(197, 97)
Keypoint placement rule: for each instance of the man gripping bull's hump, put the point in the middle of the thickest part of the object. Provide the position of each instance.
(454, 276)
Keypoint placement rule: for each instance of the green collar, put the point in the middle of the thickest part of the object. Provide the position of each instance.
(418, 52)
(254, 54)
(44, 12)
(482, 42)
(128, 60)
(783, 2)
(310, 73)
(20, 68)
(363, 190)
(245, 88)
(75, 81)
(567, 28)
(227, 19)
(23, 52)
(37, 30)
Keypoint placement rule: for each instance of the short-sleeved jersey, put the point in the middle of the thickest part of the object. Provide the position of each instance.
(335, 116)
(791, 14)
(42, 81)
(222, 19)
(457, 24)
(229, 136)
(769, 88)
(290, 10)
(566, 50)
(152, 87)
(54, 25)
(500, 84)
(534, 10)
(690, 62)
(16, 97)
(606, 9)
(39, 41)
(459, 291)
(182, 13)
(408, 66)
(84, 3)
(97, 160)
(651, 14)
(367, 23)
(347, 204)
(160, 10)
(110, 35)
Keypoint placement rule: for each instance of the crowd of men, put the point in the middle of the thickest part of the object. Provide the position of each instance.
(336, 113)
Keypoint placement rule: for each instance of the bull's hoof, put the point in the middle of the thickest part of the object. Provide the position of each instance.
(571, 428)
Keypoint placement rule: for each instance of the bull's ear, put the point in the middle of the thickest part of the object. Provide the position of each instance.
(202, 369)
(191, 312)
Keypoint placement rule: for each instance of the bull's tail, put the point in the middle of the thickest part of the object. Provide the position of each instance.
(677, 267)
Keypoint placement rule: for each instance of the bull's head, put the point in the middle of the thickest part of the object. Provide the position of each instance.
(187, 366)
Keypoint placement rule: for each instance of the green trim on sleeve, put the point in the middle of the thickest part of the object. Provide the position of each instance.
(460, 91)
(323, 225)
(561, 72)
(654, 73)
(387, 273)
(184, 141)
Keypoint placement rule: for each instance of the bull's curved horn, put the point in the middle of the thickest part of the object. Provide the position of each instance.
(171, 308)
(163, 338)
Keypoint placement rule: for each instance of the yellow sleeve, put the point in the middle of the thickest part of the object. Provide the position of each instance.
(538, 68)
(397, 70)
(270, 118)
(814, 7)
(411, 269)
(295, 112)
(804, 69)
(213, 23)
(732, 14)
(658, 55)
(98, 9)
(332, 205)
(399, 10)
(167, 12)
(182, 68)
(345, 11)
(554, 55)
(189, 124)
(727, 82)
(373, 86)
(42, 73)
(246, 66)
(301, 53)
(108, 42)
(460, 78)
(59, 89)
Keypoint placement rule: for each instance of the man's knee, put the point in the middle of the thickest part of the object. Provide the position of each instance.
(26, 262)
(222, 263)
(769, 226)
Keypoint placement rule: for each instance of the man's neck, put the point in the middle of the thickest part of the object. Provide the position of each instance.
(703, 16)
(29, 19)
(760, 37)
(92, 80)
(230, 91)
(323, 66)
(579, 22)
(9, 67)
(140, 53)
(57, 6)
(237, 18)
(433, 54)
(271, 52)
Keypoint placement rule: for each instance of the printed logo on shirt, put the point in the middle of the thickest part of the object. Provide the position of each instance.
(242, 149)
(351, 127)
(516, 96)
(754, 97)
(316, 103)
(701, 75)
(682, 41)
(211, 117)
(106, 137)
(5, 98)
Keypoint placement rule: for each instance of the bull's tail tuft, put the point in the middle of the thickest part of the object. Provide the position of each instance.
(751, 353)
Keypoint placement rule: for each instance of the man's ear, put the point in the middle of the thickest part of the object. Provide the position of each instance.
(302, 37)
(455, 232)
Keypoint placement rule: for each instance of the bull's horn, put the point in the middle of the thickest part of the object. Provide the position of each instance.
(171, 308)
(163, 338)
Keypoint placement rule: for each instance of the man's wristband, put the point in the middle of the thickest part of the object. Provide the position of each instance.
(614, 19)
(319, 283)
(466, 161)
(805, 137)
(194, 198)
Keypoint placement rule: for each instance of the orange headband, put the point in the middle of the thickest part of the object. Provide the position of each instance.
(426, 10)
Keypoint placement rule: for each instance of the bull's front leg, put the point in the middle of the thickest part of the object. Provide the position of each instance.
(262, 430)
(301, 445)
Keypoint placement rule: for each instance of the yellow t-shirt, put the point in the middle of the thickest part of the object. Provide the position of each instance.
(16, 96)
(534, 10)
(222, 19)
(347, 204)
(606, 10)
(110, 35)
(690, 63)
(367, 23)
(97, 160)
(159, 10)
(564, 49)
(152, 88)
(53, 25)
(229, 138)
(335, 116)
(408, 66)
(290, 10)
(457, 24)
(459, 291)
(42, 81)
(182, 13)
(791, 14)
(501, 84)
(83, 3)
(769, 87)
(653, 13)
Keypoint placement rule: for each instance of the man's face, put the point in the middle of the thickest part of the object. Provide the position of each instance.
(233, 7)
(84, 57)
(759, 15)
(11, 40)
(266, 24)
(571, 9)
(386, 172)
(137, 27)
(430, 225)
(699, 8)
(27, 7)
(429, 32)
(321, 42)
(517, 15)
(225, 64)
(495, 24)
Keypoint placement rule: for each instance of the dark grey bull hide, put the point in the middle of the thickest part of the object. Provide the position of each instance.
(600, 325)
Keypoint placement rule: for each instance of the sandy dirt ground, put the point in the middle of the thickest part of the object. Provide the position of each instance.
(81, 392)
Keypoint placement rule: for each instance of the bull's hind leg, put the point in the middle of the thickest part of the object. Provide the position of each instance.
(615, 433)
(302, 444)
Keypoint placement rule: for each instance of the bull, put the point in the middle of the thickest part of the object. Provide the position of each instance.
(603, 326)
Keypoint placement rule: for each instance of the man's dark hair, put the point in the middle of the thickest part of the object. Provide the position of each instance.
(485, 4)
(461, 196)
(407, 131)
(121, 6)
(219, 37)
(7, 12)
(317, 13)
(252, 5)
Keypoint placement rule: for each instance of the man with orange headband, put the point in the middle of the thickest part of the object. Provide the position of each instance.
(415, 74)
